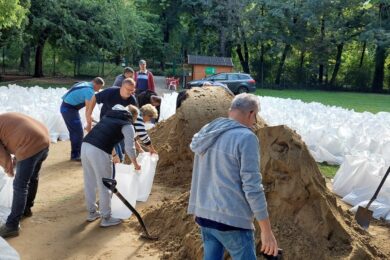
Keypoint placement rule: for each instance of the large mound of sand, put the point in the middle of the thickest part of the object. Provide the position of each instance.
(305, 217)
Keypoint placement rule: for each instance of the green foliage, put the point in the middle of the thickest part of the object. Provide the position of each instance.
(12, 13)
(310, 44)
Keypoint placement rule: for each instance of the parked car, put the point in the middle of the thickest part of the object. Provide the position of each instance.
(236, 82)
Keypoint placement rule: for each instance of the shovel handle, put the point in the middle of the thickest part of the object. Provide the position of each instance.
(379, 188)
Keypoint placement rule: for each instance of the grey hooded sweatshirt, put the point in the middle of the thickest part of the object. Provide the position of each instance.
(226, 181)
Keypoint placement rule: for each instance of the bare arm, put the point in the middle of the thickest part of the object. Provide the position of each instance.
(89, 106)
(268, 241)
(6, 161)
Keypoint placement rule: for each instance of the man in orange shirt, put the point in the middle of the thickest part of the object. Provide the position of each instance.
(28, 140)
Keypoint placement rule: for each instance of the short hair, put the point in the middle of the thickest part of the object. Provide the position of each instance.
(245, 102)
(99, 81)
(128, 69)
(128, 81)
(156, 99)
(149, 110)
(142, 62)
(133, 111)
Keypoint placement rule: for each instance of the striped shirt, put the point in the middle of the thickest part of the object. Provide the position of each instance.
(140, 131)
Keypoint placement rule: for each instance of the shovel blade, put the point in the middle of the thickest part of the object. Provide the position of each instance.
(363, 217)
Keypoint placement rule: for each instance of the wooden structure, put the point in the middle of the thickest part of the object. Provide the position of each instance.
(203, 66)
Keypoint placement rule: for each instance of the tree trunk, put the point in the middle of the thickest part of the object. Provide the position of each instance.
(262, 64)
(362, 55)
(321, 65)
(338, 63)
(166, 37)
(24, 64)
(300, 69)
(281, 63)
(222, 42)
(38, 59)
(379, 74)
(244, 61)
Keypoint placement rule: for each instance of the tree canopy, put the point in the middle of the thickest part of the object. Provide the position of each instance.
(289, 43)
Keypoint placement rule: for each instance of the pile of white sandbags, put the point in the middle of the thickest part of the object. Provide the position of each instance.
(360, 142)
(41, 104)
(331, 133)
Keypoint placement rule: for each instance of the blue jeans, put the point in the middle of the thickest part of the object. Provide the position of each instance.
(239, 243)
(73, 123)
(25, 186)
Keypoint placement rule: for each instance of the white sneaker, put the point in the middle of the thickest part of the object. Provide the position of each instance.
(110, 221)
(92, 216)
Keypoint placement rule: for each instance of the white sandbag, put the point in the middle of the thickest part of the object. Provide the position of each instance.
(148, 164)
(41, 104)
(168, 105)
(7, 252)
(380, 210)
(127, 185)
(6, 190)
(359, 171)
(4, 213)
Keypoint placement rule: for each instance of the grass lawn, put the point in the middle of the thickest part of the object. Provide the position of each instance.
(329, 171)
(359, 102)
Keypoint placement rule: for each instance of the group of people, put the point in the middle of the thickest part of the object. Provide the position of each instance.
(226, 190)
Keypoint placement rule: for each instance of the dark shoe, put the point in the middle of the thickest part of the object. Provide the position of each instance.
(78, 159)
(8, 232)
(27, 213)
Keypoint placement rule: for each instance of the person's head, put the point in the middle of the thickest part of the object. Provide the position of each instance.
(97, 83)
(133, 111)
(148, 112)
(155, 100)
(244, 109)
(142, 65)
(128, 72)
(128, 88)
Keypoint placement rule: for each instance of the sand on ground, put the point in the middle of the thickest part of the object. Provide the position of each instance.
(58, 229)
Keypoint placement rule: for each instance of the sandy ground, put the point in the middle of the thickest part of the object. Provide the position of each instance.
(58, 229)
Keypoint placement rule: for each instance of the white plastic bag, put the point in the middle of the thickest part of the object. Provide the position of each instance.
(127, 185)
(7, 252)
(148, 164)
(6, 190)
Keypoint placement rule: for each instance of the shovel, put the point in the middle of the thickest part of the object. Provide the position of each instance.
(111, 185)
(364, 215)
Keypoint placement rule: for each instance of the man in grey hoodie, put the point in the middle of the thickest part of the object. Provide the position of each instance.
(226, 190)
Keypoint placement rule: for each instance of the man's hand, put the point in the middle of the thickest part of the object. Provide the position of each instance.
(137, 167)
(9, 168)
(115, 159)
(152, 150)
(269, 246)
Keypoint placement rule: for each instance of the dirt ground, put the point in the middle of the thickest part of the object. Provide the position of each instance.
(58, 229)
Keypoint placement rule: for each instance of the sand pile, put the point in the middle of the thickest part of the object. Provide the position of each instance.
(172, 137)
(304, 214)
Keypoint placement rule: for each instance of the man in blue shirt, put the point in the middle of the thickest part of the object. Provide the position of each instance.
(128, 72)
(76, 98)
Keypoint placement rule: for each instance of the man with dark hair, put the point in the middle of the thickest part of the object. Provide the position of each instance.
(128, 72)
(75, 99)
(144, 78)
(28, 140)
(110, 97)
